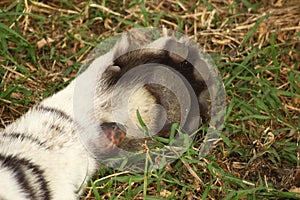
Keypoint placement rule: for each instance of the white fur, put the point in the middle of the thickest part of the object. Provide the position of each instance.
(66, 163)
(64, 143)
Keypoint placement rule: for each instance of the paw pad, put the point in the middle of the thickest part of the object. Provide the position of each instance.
(114, 132)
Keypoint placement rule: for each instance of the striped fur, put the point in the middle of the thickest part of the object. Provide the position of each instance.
(42, 155)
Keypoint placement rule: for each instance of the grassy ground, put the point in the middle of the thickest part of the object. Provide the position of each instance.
(255, 44)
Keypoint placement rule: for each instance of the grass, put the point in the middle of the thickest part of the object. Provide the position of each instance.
(256, 46)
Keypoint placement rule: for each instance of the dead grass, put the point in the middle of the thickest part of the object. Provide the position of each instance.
(256, 45)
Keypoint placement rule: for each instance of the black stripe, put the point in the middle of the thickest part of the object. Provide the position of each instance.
(22, 137)
(21, 167)
(56, 111)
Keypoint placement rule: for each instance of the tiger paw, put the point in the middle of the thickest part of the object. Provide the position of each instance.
(114, 132)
